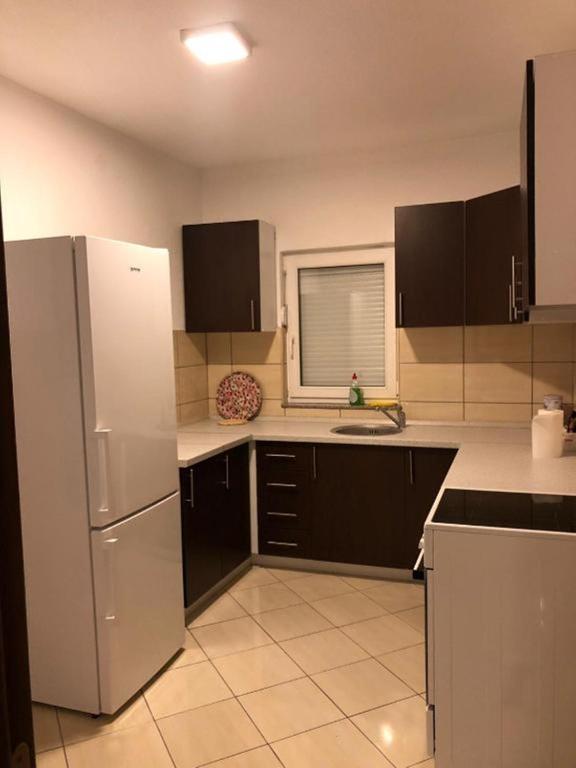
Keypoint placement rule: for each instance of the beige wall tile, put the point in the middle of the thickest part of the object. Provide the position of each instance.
(257, 348)
(191, 348)
(498, 343)
(434, 411)
(219, 348)
(431, 345)
(506, 412)
(188, 413)
(497, 382)
(191, 384)
(431, 382)
(212, 407)
(553, 343)
(360, 414)
(552, 379)
(215, 375)
(268, 376)
(272, 408)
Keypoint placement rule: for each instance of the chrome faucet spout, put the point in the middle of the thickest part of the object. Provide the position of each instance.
(399, 419)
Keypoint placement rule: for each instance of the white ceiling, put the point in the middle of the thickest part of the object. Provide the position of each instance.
(325, 76)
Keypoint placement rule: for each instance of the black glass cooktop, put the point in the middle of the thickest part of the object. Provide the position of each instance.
(491, 509)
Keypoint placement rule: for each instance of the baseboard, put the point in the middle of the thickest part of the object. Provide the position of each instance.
(340, 569)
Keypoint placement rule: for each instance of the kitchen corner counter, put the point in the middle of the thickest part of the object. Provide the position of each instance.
(489, 457)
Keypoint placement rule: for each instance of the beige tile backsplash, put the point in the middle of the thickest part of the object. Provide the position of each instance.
(505, 370)
(480, 373)
(191, 376)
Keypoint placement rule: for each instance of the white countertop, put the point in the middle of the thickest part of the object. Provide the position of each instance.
(489, 458)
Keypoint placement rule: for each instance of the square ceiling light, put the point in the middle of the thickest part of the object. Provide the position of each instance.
(216, 45)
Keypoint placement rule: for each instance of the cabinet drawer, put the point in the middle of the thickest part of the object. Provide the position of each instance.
(284, 501)
(277, 461)
(279, 540)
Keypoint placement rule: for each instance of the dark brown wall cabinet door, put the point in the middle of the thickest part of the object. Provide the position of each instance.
(429, 255)
(222, 276)
(494, 258)
(425, 470)
(358, 505)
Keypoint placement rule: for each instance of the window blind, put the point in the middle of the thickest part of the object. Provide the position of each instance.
(342, 325)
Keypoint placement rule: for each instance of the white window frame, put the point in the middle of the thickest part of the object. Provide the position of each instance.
(297, 393)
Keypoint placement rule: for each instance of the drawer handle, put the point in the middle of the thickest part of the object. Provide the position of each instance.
(280, 456)
(281, 485)
(282, 514)
(282, 543)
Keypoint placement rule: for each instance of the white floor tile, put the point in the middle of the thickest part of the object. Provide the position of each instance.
(289, 708)
(46, 730)
(211, 733)
(54, 758)
(258, 668)
(398, 730)
(224, 608)
(186, 688)
(263, 757)
(191, 653)
(139, 747)
(409, 664)
(256, 577)
(322, 651)
(396, 595)
(362, 686)
(339, 745)
(78, 726)
(348, 608)
(266, 598)
(319, 586)
(286, 623)
(231, 637)
(415, 617)
(382, 635)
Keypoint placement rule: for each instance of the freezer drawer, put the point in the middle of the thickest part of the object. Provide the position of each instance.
(138, 588)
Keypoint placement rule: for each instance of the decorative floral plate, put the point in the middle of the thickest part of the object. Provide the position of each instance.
(238, 397)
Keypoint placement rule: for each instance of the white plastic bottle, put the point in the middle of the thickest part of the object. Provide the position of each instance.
(547, 434)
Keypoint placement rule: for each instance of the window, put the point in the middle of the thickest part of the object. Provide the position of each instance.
(340, 322)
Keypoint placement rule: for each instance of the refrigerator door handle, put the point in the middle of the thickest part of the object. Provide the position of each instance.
(103, 436)
(110, 603)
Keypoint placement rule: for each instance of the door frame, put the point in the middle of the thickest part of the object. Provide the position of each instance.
(16, 729)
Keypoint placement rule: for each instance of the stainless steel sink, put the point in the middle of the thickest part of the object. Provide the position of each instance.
(369, 430)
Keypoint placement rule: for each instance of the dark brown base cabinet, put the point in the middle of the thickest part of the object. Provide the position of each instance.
(364, 505)
(215, 499)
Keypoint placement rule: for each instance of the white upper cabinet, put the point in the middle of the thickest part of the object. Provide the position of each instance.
(554, 165)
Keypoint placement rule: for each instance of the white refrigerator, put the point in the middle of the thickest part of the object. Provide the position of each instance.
(92, 355)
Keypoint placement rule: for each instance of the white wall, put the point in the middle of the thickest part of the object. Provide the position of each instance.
(350, 199)
(61, 173)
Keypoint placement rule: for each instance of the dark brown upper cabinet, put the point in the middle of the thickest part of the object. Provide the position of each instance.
(430, 248)
(230, 276)
(494, 268)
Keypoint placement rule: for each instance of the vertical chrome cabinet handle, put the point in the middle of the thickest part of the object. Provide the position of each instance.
(252, 315)
(314, 464)
(510, 305)
(514, 301)
(227, 481)
(400, 309)
(191, 499)
(411, 466)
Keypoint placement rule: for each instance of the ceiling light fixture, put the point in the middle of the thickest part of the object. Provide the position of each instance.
(216, 45)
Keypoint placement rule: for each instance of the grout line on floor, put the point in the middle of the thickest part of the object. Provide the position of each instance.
(166, 747)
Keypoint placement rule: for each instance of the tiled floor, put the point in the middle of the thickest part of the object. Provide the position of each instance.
(286, 670)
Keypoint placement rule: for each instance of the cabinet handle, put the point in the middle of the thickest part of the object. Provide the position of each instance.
(514, 307)
(227, 481)
(510, 304)
(281, 514)
(280, 456)
(282, 543)
(314, 464)
(400, 309)
(411, 466)
(190, 501)
(252, 315)
(281, 485)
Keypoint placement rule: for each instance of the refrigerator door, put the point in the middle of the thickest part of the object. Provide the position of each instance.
(139, 599)
(125, 322)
